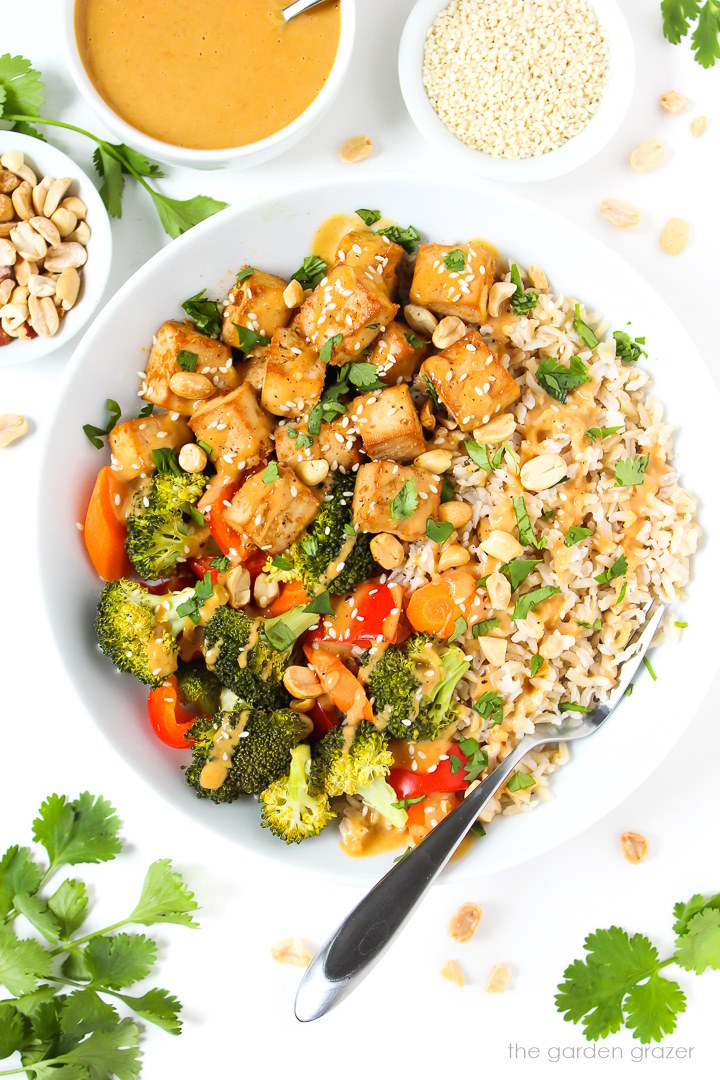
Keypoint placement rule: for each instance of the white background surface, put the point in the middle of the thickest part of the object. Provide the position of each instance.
(405, 1018)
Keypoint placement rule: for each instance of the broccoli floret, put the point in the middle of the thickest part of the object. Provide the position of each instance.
(357, 769)
(198, 686)
(159, 527)
(246, 656)
(321, 543)
(137, 630)
(292, 808)
(413, 688)
(241, 752)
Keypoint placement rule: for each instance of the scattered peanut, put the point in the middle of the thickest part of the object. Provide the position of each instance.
(497, 430)
(356, 149)
(673, 102)
(427, 416)
(502, 545)
(448, 331)
(47, 229)
(39, 285)
(698, 126)
(12, 427)
(452, 556)
(67, 287)
(457, 512)
(435, 461)
(43, 315)
(22, 201)
(191, 386)
(292, 951)
(75, 206)
(543, 471)
(65, 222)
(387, 550)
(7, 210)
(56, 193)
(192, 458)
(64, 255)
(420, 319)
(493, 649)
(8, 253)
(301, 682)
(674, 236)
(621, 214)
(39, 194)
(499, 591)
(537, 277)
(312, 472)
(635, 847)
(293, 295)
(498, 979)
(237, 582)
(81, 234)
(464, 923)
(453, 973)
(499, 293)
(265, 590)
(647, 156)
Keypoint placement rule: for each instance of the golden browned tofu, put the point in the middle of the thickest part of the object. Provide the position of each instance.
(253, 369)
(345, 306)
(207, 357)
(132, 443)
(256, 303)
(337, 443)
(294, 377)
(379, 483)
(398, 353)
(236, 427)
(272, 515)
(470, 382)
(453, 292)
(374, 255)
(388, 423)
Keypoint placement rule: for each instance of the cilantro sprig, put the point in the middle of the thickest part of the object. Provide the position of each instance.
(97, 434)
(405, 502)
(522, 302)
(558, 380)
(22, 93)
(619, 982)
(58, 1016)
(677, 17)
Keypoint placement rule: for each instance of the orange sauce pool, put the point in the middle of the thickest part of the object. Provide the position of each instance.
(206, 74)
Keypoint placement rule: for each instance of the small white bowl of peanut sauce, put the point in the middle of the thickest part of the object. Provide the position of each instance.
(207, 83)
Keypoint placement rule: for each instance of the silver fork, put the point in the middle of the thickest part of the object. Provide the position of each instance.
(298, 8)
(369, 930)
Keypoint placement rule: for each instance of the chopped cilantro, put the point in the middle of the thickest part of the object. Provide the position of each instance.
(526, 532)
(417, 343)
(204, 312)
(480, 629)
(405, 502)
(571, 706)
(320, 605)
(478, 452)
(248, 339)
(271, 473)
(460, 629)
(521, 302)
(96, 434)
(311, 272)
(601, 432)
(586, 335)
(187, 360)
(628, 350)
(455, 260)
(535, 664)
(328, 346)
(575, 534)
(406, 238)
(618, 569)
(242, 275)
(439, 531)
(519, 780)
(558, 380)
(369, 217)
(631, 471)
(491, 707)
(530, 600)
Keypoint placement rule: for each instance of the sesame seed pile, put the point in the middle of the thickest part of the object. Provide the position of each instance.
(515, 78)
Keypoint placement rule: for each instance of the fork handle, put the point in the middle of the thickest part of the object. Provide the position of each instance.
(369, 930)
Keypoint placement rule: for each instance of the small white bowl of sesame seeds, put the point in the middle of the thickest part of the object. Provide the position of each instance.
(517, 90)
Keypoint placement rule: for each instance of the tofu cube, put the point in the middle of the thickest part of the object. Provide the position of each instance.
(337, 443)
(388, 423)
(398, 353)
(453, 292)
(237, 429)
(257, 303)
(345, 306)
(366, 252)
(470, 382)
(213, 359)
(377, 485)
(132, 443)
(272, 515)
(294, 377)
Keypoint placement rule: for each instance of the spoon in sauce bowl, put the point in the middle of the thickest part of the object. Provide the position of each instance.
(298, 8)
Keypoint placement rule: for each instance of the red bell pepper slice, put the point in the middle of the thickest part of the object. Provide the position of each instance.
(409, 784)
(169, 720)
(324, 718)
(372, 611)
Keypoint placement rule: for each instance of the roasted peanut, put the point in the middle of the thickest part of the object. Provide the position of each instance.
(191, 386)
(387, 551)
(457, 512)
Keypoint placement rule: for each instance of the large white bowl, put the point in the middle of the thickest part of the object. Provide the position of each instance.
(575, 152)
(241, 156)
(47, 160)
(274, 232)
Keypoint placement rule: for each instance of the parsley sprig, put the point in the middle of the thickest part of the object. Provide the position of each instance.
(22, 93)
(522, 302)
(619, 982)
(677, 17)
(57, 1015)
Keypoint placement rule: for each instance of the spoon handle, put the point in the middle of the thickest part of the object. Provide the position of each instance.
(298, 7)
(369, 930)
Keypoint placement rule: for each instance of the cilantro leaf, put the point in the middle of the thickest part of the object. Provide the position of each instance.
(190, 608)
(187, 360)
(165, 898)
(271, 473)
(429, 385)
(478, 452)
(83, 830)
(158, 1007)
(575, 534)
(179, 215)
(405, 502)
(535, 664)
(104, 1053)
(38, 914)
(699, 947)
(477, 759)
(572, 706)
(365, 376)
(110, 170)
(18, 874)
(481, 629)
(530, 600)
(244, 274)
(526, 533)
(627, 349)
(597, 625)
(652, 1008)
(439, 531)
(490, 706)
(84, 1011)
(455, 260)
(685, 912)
(618, 569)
(518, 570)
(249, 340)
(586, 335)
(120, 960)
(13, 1028)
(558, 380)
(706, 36)
(416, 342)
(327, 347)
(520, 780)
(460, 629)
(320, 605)
(676, 16)
(369, 217)
(601, 432)
(21, 88)
(311, 272)
(96, 434)
(69, 906)
(22, 962)
(521, 302)
(220, 562)
(631, 472)
(204, 312)
(406, 238)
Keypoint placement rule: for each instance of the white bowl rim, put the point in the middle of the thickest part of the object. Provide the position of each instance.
(174, 154)
(585, 816)
(572, 154)
(99, 246)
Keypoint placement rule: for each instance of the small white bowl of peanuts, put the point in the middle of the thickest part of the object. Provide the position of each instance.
(55, 248)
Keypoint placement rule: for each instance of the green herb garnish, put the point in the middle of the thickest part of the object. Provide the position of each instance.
(521, 302)
(518, 570)
(631, 472)
(535, 664)
(187, 360)
(530, 600)
(460, 629)
(571, 706)
(490, 706)
(477, 761)
(328, 346)
(575, 534)
(406, 238)
(558, 380)
(481, 629)
(369, 216)
(650, 669)
(205, 313)
(621, 594)
(221, 563)
(526, 532)
(166, 460)
(594, 433)
(205, 446)
(417, 343)
(519, 780)
(478, 452)
(438, 531)
(364, 376)
(677, 16)
(203, 591)
(431, 389)
(244, 274)
(447, 492)
(402, 804)
(627, 349)
(320, 605)
(249, 339)
(597, 625)
(586, 335)
(405, 502)
(279, 562)
(455, 260)
(618, 569)
(271, 473)
(311, 272)
(96, 434)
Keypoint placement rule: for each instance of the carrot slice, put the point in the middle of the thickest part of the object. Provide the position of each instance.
(432, 609)
(104, 532)
(292, 593)
(338, 681)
